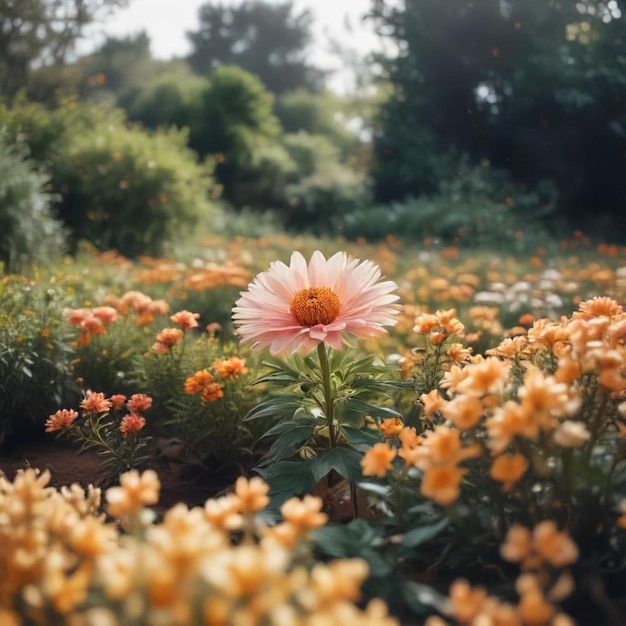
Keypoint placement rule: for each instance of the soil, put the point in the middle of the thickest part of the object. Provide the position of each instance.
(189, 483)
(179, 482)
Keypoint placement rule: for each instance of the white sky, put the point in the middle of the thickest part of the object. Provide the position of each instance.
(166, 22)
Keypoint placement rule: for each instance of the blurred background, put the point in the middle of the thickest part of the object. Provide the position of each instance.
(486, 123)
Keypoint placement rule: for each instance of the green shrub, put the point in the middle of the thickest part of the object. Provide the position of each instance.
(120, 187)
(35, 355)
(479, 208)
(321, 202)
(28, 231)
(169, 99)
(312, 153)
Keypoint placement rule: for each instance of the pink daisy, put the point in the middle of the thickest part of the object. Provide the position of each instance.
(294, 308)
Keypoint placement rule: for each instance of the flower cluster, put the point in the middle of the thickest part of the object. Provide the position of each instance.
(538, 424)
(203, 382)
(109, 426)
(64, 561)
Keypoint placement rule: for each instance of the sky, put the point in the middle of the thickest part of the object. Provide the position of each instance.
(166, 22)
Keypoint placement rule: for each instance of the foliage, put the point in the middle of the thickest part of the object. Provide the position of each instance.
(323, 415)
(506, 81)
(35, 355)
(266, 39)
(199, 388)
(171, 98)
(29, 233)
(43, 32)
(110, 428)
(317, 114)
(478, 207)
(119, 186)
(517, 459)
(321, 202)
(233, 121)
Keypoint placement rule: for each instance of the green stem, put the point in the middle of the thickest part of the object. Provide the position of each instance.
(329, 400)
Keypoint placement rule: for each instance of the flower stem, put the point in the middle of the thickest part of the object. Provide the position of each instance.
(329, 400)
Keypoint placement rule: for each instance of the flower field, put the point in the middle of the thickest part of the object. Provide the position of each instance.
(466, 413)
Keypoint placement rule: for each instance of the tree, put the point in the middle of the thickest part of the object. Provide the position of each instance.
(535, 88)
(266, 39)
(42, 32)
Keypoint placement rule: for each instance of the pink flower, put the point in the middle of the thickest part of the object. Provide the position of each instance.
(185, 319)
(294, 308)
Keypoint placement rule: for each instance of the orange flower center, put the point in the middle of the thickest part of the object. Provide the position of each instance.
(315, 305)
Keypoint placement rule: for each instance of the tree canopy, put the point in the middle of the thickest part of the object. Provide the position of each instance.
(266, 39)
(42, 32)
(536, 88)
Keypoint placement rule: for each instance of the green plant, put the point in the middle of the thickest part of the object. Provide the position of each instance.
(35, 354)
(118, 186)
(200, 386)
(109, 427)
(29, 233)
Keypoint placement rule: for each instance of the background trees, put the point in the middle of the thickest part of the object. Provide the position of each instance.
(534, 88)
(43, 32)
(266, 39)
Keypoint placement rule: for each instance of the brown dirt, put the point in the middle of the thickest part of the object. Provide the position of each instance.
(179, 482)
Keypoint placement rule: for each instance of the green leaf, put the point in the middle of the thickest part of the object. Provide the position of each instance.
(345, 461)
(356, 539)
(287, 479)
(422, 599)
(288, 441)
(362, 440)
(279, 407)
(417, 536)
(359, 407)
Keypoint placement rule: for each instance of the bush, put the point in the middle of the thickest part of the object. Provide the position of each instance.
(478, 208)
(28, 231)
(119, 186)
(35, 355)
(321, 202)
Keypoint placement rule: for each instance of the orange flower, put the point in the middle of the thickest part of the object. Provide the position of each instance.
(63, 418)
(197, 382)
(466, 602)
(432, 401)
(463, 411)
(170, 337)
(139, 403)
(211, 392)
(117, 401)
(553, 545)
(485, 377)
(391, 427)
(251, 494)
(230, 368)
(95, 403)
(131, 424)
(106, 314)
(185, 319)
(378, 460)
(409, 437)
(517, 545)
(509, 469)
(441, 483)
(598, 306)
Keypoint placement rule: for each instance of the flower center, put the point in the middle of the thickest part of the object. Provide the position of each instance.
(315, 305)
